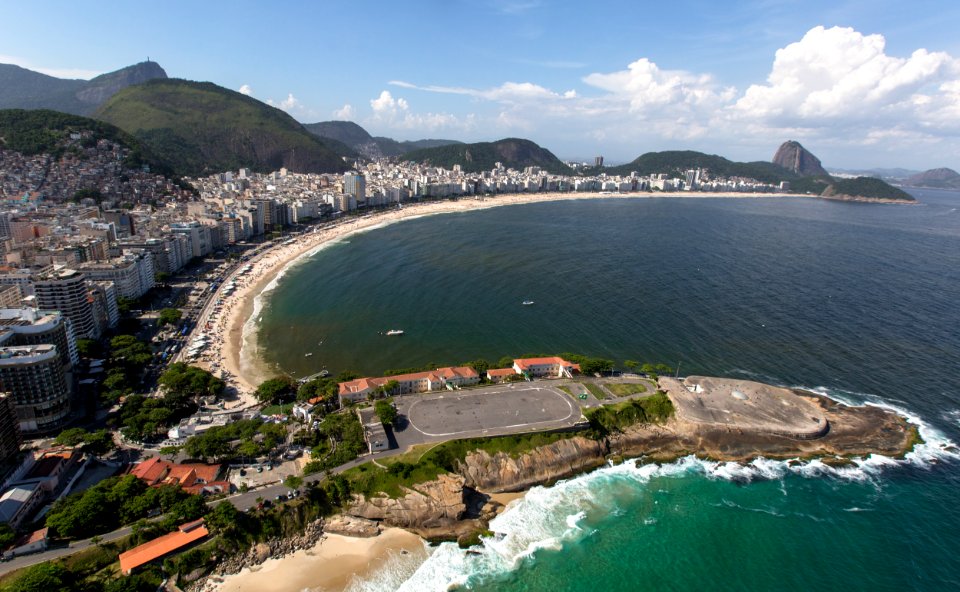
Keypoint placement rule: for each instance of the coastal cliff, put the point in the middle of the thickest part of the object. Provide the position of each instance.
(456, 503)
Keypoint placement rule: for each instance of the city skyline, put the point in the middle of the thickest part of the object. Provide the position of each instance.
(860, 84)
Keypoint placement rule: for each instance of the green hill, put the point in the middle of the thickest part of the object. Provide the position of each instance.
(868, 187)
(514, 153)
(359, 140)
(42, 131)
(200, 128)
(678, 161)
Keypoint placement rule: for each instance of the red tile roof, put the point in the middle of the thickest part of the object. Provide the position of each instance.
(524, 363)
(362, 384)
(185, 535)
(501, 372)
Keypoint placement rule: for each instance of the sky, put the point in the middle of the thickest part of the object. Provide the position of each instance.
(860, 83)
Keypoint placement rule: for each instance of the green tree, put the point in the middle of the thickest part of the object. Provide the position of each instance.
(505, 362)
(169, 316)
(184, 381)
(631, 364)
(275, 389)
(170, 451)
(71, 437)
(125, 304)
(88, 348)
(222, 518)
(385, 411)
(480, 365)
(293, 482)
(7, 535)
(44, 577)
(99, 443)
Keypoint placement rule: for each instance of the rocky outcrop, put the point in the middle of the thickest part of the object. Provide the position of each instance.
(504, 473)
(271, 549)
(352, 526)
(794, 157)
(434, 505)
(101, 88)
(854, 431)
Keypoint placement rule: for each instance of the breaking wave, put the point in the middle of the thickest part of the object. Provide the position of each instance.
(552, 517)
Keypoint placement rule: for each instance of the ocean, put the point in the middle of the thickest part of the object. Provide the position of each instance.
(858, 301)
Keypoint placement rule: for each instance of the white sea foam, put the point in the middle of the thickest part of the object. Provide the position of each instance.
(549, 518)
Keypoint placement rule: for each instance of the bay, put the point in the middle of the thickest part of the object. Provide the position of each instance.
(858, 300)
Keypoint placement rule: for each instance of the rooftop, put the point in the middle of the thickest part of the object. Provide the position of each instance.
(185, 535)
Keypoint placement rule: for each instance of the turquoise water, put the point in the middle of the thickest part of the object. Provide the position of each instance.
(857, 300)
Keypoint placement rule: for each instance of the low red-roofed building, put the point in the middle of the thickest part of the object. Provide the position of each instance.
(416, 382)
(195, 478)
(500, 374)
(553, 366)
(178, 540)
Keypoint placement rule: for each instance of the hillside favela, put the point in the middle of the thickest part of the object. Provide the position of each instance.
(495, 296)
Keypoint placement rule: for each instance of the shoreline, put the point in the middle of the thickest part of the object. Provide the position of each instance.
(333, 564)
(234, 351)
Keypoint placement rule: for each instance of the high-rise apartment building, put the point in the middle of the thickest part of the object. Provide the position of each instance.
(66, 290)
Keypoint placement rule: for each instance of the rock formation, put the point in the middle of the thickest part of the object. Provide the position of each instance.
(435, 506)
(794, 157)
(504, 473)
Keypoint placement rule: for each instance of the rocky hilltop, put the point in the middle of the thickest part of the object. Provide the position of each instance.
(794, 157)
(25, 89)
(942, 178)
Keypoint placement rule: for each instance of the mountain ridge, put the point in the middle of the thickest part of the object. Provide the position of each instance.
(21, 88)
(516, 153)
(360, 140)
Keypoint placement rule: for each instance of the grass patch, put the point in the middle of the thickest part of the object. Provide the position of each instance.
(566, 389)
(655, 408)
(625, 389)
(426, 464)
(277, 409)
(595, 390)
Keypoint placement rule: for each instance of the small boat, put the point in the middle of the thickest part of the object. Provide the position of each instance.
(308, 354)
(395, 332)
(527, 302)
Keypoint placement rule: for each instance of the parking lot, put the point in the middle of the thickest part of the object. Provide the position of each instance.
(489, 411)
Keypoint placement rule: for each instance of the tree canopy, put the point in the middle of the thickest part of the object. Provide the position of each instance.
(385, 411)
(169, 316)
(275, 390)
(183, 380)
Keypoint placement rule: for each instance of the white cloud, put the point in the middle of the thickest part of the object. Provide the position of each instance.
(245, 90)
(347, 112)
(81, 73)
(647, 88)
(835, 88)
(395, 113)
(839, 74)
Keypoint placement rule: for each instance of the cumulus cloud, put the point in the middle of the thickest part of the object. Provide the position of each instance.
(835, 86)
(346, 112)
(646, 87)
(288, 104)
(396, 113)
(245, 90)
(386, 107)
(840, 74)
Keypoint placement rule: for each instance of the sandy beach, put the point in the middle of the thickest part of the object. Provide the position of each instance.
(332, 564)
(232, 324)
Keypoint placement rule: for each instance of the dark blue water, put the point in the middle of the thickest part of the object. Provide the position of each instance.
(860, 300)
